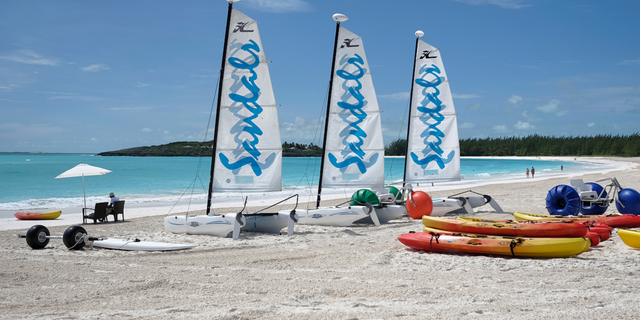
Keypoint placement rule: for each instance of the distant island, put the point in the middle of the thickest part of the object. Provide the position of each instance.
(203, 149)
(532, 146)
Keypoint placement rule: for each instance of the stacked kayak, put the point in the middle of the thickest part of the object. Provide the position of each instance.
(504, 228)
(596, 231)
(435, 240)
(502, 237)
(38, 215)
(614, 221)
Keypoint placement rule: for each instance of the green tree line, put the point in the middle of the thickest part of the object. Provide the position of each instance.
(536, 145)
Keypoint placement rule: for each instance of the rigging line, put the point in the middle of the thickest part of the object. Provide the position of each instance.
(197, 176)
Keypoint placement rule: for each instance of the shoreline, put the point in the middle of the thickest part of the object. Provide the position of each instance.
(73, 215)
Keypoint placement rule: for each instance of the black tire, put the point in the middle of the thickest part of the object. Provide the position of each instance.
(73, 237)
(37, 237)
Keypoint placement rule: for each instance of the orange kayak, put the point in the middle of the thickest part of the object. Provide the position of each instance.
(614, 220)
(551, 229)
(38, 215)
(445, 241)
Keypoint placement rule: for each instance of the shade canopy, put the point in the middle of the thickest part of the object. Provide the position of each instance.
(82, 170)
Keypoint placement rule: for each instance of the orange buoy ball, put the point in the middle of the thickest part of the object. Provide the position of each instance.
(419, 204)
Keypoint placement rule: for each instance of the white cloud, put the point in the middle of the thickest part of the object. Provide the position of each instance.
(146, 130)
(523, 126)
(141, 85)
(30, 57)
(475, 106)
(280, 6)
(165, 132)
(396, 96)
(467, 125)
(71, 96)
(514, 100)
(500, 128)
(506, 4)
(95, 67)
(94, 139)
(591, 124)
(9, 87)
(528, 117)
(132, 109)
(630, 62)
(465, 96)
(552, 107)
(300, 130)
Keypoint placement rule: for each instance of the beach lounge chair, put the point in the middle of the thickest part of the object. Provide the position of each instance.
(118, 208)
(99, 212)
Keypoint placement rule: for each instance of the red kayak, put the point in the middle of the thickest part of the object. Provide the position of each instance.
(553, 229)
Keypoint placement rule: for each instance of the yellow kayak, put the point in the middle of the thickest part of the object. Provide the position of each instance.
(613, 220)
(38, 215)
(441, 240)
(630, 237)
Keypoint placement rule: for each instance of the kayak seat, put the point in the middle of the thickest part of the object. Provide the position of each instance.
(99, 213)
(118, 208)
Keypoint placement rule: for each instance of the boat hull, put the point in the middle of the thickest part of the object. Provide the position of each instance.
(448, 205)
(386, 214)
(38, 215)
(554, 229)
(266, 223)
(434, 240)
(211, 225)
(630, 237)
(614, 221)
(331, 216)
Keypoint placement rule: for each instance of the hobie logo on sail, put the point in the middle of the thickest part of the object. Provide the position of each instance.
(353, 115)
(426, 54)
(246, 131)
(240, 27)
(430, 114)
(347, 43)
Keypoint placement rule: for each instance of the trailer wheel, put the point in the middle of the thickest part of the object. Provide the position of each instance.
(37, 237)
(73, 237)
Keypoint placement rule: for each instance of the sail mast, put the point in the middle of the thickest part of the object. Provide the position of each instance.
(338, 18)
(419, 34)
(215, 131)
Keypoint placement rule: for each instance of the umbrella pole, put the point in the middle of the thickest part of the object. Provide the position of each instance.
(84, 193)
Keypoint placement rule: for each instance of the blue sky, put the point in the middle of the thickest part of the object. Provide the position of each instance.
(92, 76)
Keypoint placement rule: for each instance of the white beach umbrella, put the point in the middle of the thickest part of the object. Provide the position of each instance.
(83, 170)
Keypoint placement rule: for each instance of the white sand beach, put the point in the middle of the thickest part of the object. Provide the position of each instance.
(358, 272)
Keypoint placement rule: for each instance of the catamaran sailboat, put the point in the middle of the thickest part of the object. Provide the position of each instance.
(247, 152)
(353, 149)
(433, 150)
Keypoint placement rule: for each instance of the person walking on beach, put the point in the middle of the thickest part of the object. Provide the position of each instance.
(533, 172)
(527, 172)
(561, 168)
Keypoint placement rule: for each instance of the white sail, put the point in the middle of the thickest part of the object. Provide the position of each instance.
(354, 150)
(433, 150)
(249, 151)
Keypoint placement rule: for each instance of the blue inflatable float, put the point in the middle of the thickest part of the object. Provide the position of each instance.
(563, 200)
(595, 208)
(628, 201)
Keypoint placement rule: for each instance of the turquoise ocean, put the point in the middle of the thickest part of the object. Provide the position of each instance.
(27, 180)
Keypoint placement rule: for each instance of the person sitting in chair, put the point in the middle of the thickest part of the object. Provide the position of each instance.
(111, 202)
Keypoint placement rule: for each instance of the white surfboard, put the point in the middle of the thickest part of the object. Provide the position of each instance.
(137, 245)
